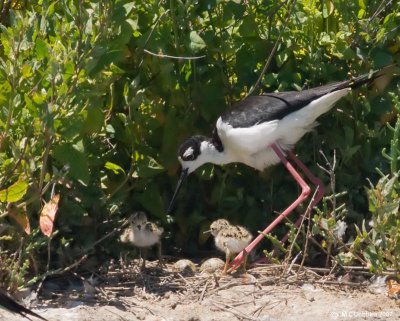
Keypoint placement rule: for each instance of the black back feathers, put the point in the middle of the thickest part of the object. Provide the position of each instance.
(275, 106)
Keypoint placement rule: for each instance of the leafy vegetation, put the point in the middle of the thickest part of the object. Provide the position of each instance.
(95, 97)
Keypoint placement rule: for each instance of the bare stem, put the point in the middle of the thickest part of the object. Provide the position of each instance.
(173, 57)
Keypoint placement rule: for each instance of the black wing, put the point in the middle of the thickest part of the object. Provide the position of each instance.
(11, 305)
(275, 106)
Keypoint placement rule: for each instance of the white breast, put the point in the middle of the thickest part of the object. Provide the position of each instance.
(250, 146)
(143, 238)
(234, 245)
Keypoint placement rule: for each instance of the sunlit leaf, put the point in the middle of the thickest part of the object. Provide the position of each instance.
(26, 70)
(6, 43)
(114, 167)
(361, 13)
(41, 49)
(48, 214)
(5, 88)
(39, 98)
(147, 166)
(133, 23)
(328, 8)
(196, 42)
(129, 7)
(15, 192)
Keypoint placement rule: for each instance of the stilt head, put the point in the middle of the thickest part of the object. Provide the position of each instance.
(193, 152)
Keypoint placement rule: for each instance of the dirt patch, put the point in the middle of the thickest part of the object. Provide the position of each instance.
(264, 293)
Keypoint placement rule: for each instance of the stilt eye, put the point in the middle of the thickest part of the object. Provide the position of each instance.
(190, 148)
(188, 154)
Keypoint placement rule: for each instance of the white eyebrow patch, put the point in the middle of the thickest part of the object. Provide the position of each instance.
(188, 152)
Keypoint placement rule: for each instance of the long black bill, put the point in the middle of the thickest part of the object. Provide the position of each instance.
(182, 178)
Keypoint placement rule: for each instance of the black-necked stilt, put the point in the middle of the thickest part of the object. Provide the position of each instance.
(13, 306)
(142, 234)
(260, 131)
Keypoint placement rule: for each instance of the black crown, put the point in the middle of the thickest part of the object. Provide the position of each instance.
(190, 148)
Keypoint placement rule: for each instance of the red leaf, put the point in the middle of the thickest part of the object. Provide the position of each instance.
(19, 215)
(48, 215)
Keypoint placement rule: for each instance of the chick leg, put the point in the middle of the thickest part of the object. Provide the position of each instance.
(245, 254)
(227, 259)
(143, 257)
(160, 259)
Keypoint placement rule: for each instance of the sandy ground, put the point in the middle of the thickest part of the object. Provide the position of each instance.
(263, 293)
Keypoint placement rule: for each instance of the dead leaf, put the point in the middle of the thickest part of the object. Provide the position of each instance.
(19, 215)
(48, 214)
(393, 286)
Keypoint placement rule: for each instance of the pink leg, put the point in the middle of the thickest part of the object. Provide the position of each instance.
(320, 191)
(305, 191)
(317, 182)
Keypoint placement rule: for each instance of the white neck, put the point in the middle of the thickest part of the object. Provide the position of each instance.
(210, 154)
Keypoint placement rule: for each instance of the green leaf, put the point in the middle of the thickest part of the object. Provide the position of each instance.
(26, 70)
(151, 200)
(69, 128)
(196, 42)
(389, 208)
(6, 43)
(114, 167)
(15, 192)
(328, 8)
(345, 258)
(234, 10)
(146, 165)
(381, 57)
(133, 23)
(372, 256)
(129, 7)
(76, 160)
(325, 39)
(361, 13)
(94, 120)
(5, 88)
(41, 49)
(248, 28)
(388, 187)
(38, 97)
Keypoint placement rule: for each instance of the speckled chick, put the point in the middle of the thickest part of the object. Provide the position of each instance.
(142, 234)
(230, 239)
